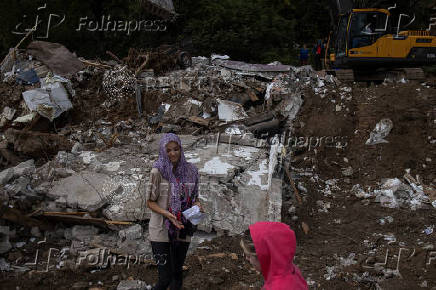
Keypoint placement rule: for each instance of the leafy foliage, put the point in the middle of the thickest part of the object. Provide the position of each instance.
(250, 30)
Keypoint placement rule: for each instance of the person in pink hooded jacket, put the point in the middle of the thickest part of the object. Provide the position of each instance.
(270, 248)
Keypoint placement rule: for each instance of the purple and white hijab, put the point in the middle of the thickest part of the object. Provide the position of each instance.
(183, 182)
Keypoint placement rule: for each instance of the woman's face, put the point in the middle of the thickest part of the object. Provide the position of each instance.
(173, 152)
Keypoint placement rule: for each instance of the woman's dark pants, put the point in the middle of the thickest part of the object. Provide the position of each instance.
(170, 259)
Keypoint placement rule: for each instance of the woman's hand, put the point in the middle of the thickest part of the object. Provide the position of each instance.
(157, 209)
(197, 203)
(172, 218)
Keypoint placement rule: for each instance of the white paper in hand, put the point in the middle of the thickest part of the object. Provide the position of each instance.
(194, 215)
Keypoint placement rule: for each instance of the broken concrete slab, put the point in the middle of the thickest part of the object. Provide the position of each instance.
(124, 168)
(86, 190)
(6, 175)
(8, 113)
(25, 168)
(230, 111)
(231, 199)
(18, 186)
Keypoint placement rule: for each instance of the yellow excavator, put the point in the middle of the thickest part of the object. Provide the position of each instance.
(371, 44)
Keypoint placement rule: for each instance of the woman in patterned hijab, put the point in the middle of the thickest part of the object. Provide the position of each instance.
(171, 242)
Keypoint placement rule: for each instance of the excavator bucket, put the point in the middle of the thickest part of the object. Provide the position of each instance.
(161, 8)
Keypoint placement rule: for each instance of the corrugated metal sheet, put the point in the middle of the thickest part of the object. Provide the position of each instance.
(248, 67)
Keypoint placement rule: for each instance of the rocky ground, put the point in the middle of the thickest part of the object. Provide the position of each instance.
(365, 220)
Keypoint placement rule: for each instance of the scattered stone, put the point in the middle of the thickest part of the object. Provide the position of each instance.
(9, 113)
(133, 285)
(4, 266)
(324, 206)
(292, 210)
(347, 171)
(5, 245)
(385, 220)
(82, 233)
(305, 227)
(80, 285)
(77, 148)
(36, 232)
(86, 190)
(216, 280)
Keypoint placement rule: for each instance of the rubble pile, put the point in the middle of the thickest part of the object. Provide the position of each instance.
(88, 176)
(271, 142)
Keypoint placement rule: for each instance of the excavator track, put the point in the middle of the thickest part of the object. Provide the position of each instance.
(349, 75)
(344, 75)
(416, 74)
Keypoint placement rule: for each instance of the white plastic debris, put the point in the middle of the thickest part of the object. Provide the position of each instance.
(269, 87)
(330, 273)
(428, 230)
(323, 206)
(385, 220)
(233, 131)
(25, 119)
(359, 192)
(194, 215)
(381, 131)
(347, 89)
(350, 260)
(56, 82)
(48, 103)
(394, 194)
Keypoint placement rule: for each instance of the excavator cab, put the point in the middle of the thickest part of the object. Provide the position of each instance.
(366, 27)
(369, 45)
(359, 28)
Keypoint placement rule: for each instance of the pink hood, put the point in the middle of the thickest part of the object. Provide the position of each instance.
(275, 245)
